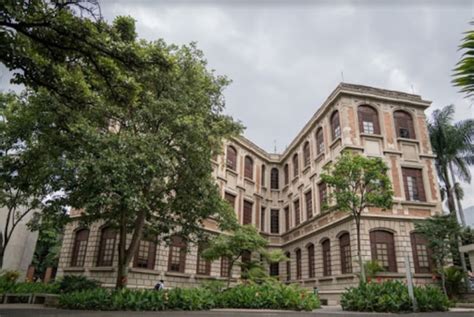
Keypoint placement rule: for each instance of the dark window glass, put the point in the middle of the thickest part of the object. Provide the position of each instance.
(177, 254)
(106, 247)
(274, 179)
(404, 125)
(413, 183)
(326, 245)
(368, 120)
(275, 221)
(383, 249)
(335, 126)
(310, 249)
(248, 170)
(231, 158)
(145, 255)
(79, 249)
(346, 258)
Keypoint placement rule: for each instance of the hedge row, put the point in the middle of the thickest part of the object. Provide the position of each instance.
(392, 296)
(257, 296)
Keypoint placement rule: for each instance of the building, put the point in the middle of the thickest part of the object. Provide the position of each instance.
(21, 246)
(281, 194)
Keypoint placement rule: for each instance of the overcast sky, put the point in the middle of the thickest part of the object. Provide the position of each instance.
(285, 57)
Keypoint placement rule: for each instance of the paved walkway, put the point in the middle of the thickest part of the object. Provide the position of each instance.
(15, 310)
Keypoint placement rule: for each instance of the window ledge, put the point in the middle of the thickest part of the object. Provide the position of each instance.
(408, 140)
(390, 274)
(274, 190)
(177, 274)
(324, 279)
(144, 271)
(249, 180)
(423, 275)
(102, 269)
(205, 276)
(368, 135)
(285, 187)
(295, 179)
(346, 276)
(74, 269)
(319, 157)
(334, 143)
(231, 171)
(417, 203)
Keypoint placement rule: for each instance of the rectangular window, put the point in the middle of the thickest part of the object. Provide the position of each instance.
(177, 254)
(225, 266)
(368, 127)
(322, 196)
(275, 221)
(230, 199)
(262, 219)
(274, 269)
(287, 218)
(413, 183)
(309, 204)
(247, 219)
(337, 132)
(145, 255)
(297, 212)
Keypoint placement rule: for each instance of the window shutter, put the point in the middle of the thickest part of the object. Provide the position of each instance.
(311, 260)
(247, 219)
(335, 125)
(309, 204)
(262, 219)
(326, 257)
(285, 172)
(248, 172)
(288, 267)
(275, 221)
(319, 141)
(274, 180)
(403, 120)
(231, 158)
(295, 165)
(297, 212)
(263, 175)
(298, 264)
(287, 218)
(306, 154)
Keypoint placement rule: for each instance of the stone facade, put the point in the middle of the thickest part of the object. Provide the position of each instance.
(251, 185)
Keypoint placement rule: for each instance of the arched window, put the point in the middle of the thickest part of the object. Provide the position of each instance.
(80, 247)
(296, 166)
(346, 258)
(177, 254)
(368, 120)
(231, 158)
(285, 174)
(335, 126)
(326, 246)
(306, 154)
(310, 249)
(106, 247)
(203, 266)
(296, 205)
(263, 175)
(404, 125)
(320, 141)
(383, 249)
(248, 170)
(421, 253)
(275, 178)
(298, 263)
(145, 255)
(288, 266)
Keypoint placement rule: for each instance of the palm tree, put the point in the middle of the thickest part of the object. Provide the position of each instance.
(464, 71)
(454, 149)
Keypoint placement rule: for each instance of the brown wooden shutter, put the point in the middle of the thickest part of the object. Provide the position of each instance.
(311, 260)
(295, 165)
(403, 120)
(319, 140)
(334, 124)
(418, 176)
(231, 158)
(368, 114)
(287, 218)
(247, 219)
(326, 246)
(80, 247)
(248, 171)
(288, 267)
(309, 204)
(420, 186)
(286, 176)
(344, 245)
(306, 154)
(274, 180)
(106, 247)
(384, 237)
(275, 221)
(298, 264)
(297, 212)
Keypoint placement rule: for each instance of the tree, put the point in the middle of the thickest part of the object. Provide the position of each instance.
(358, 182)
(464, 70)
(124, 127)
(454, 149)
(441, 232)
(241, 240)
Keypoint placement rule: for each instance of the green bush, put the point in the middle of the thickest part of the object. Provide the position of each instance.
(8, 284)
(454, 281)
(74, 283)
(392, 296)
(268, 295)
(258, 296)
(8, 280)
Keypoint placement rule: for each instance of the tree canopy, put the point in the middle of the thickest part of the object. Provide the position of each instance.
(126, 128)
(464, 70)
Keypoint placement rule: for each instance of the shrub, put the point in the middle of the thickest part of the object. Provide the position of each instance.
(454, 281)
(74, 283)
(392, 296)
(35, 288)
(8, 280)
(268, 295)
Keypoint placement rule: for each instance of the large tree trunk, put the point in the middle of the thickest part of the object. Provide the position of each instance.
(459, 206)
(126, 254)
(449, 192)
(359, 253)
(2, 254)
